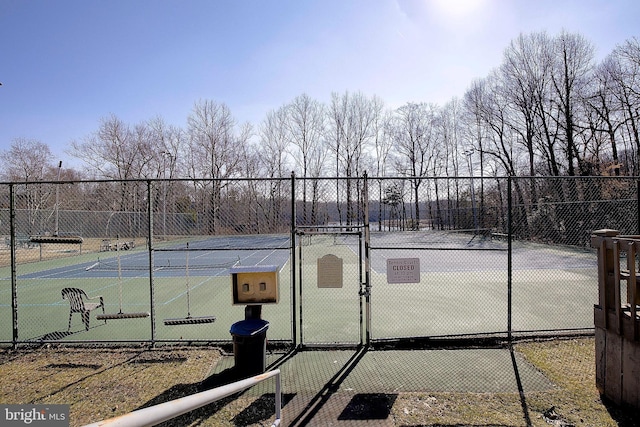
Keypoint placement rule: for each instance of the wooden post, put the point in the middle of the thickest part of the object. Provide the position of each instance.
(617, 345)
(602, 240)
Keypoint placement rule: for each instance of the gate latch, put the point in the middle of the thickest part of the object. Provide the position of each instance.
(365, 290)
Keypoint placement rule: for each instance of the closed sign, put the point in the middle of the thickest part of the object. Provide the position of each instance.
(403, 270)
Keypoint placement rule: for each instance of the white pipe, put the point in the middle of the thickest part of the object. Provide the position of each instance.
(165, 411)
(276, 423)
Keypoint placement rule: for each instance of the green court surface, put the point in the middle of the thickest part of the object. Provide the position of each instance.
(460, 292)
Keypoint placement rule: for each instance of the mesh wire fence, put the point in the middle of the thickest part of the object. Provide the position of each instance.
(462, 285)
(330, 274)
(150, 250)
(554, 278)
(496, 255)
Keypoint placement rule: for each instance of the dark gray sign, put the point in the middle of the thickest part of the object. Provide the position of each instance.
(34, 415)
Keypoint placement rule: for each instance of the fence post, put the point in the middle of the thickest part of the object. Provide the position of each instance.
(292, 268)
(14, 283)
(150, 240)
(509, 259)
(367, 267)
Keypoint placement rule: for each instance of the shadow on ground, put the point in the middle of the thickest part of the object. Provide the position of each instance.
(624, 416)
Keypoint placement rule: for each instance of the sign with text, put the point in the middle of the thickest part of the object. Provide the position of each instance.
(35, 415)
(329, 272)
(403, 270)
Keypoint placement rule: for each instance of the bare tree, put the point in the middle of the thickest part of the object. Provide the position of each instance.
(623, 70)
(111, 151)
(168, 145)
(274, 136)
(350, 128)
(414, 135)
(382, 146)
(29, 160)
(26, 160)
(451, 122)
(571, 73)
(525, 74)
(120, 152)
(211, 128)
(167, 154)
(603, 104)
(306, 127)
(317, 167)
(215, 152)
(486, 101)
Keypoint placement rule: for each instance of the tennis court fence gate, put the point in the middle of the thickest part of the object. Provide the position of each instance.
(497, 256)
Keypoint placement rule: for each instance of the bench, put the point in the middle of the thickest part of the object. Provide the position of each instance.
(499, 236)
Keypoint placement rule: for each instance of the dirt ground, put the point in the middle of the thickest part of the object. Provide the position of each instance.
(100, 383)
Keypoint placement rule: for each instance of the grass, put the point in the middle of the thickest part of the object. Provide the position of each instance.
(105, 382)
(574, 401)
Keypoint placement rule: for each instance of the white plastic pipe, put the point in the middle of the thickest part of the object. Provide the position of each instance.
(165, 411)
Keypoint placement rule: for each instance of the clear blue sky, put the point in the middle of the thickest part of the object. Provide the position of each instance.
(66, 64)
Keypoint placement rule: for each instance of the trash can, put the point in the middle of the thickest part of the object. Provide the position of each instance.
(250, 346)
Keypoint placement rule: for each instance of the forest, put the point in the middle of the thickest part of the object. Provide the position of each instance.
(549, 109)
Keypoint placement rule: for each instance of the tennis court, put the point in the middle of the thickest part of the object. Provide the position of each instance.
(464, 289)
(472, 281)
(125, 276)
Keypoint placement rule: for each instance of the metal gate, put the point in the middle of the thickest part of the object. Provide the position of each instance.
(333, 287)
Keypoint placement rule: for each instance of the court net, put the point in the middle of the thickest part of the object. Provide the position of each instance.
(164, 263)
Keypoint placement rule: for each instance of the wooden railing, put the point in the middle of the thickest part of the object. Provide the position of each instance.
(616, 317)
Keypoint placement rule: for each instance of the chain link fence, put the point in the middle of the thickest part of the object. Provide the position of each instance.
(149, 250)
(496, 256)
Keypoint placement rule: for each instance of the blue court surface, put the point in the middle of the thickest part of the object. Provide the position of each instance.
(202, 257)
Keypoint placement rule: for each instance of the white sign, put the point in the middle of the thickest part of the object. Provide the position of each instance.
(403, 270)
